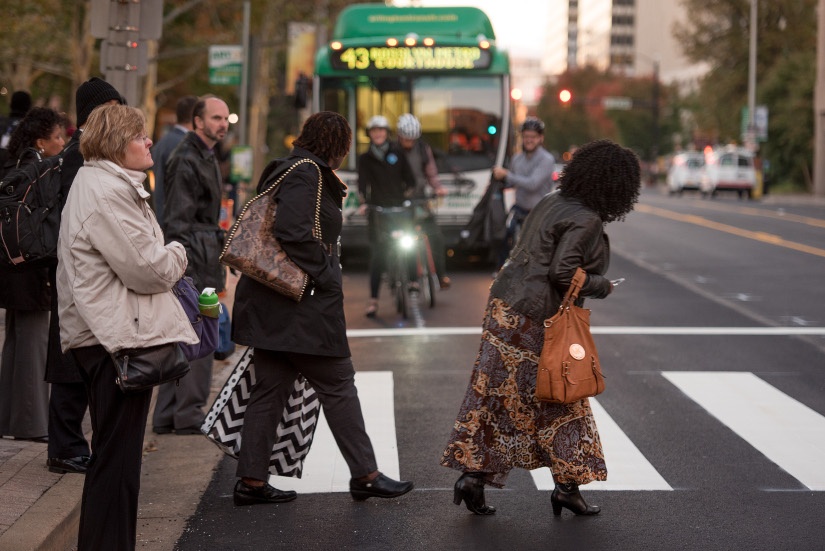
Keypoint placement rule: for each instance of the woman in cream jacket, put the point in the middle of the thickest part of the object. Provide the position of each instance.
(114, 282)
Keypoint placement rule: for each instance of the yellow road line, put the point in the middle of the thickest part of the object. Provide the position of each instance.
(787, 217)
(755, 235)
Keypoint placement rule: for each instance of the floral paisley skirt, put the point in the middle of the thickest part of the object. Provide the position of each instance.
(501, 425)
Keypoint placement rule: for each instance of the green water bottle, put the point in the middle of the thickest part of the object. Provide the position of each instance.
(209, 304)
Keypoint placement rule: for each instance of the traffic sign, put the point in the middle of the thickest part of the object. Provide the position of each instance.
(618, 103)
(225, 65)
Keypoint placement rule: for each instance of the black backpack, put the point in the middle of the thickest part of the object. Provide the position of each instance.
(30, 204)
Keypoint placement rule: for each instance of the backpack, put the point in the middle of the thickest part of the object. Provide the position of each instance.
(30, 199)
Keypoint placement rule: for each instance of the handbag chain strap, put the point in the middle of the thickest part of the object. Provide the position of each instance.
(316, 229)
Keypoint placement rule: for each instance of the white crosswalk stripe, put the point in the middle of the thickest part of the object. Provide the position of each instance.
(325, 469)
(787, 432)
(627, 468)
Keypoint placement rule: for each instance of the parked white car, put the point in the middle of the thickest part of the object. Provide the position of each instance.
(685, 172)
(729, 168)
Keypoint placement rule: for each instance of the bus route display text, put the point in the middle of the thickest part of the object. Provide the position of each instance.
(416, 58)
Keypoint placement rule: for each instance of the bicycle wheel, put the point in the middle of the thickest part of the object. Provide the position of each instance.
(400, 282)
(426, 272)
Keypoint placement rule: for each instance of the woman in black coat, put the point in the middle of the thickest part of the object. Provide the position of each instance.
(26, 296)
(306, 337)
(500, 424)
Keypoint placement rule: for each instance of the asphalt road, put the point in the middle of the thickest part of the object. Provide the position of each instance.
(713, 419)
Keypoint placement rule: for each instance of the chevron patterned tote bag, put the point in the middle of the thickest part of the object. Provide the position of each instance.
(224, 421)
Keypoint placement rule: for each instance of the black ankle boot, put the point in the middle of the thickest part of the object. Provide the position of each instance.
(470, 488)
(568, 496)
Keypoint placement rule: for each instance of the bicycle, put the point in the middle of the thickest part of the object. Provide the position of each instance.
(410, 263)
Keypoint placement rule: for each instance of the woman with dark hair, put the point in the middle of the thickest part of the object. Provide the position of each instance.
(308, 337)
(500, 424)
(24, 395)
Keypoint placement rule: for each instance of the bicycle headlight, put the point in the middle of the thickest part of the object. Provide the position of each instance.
(405, 240)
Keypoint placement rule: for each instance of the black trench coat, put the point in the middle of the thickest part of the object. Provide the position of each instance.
(266, 319)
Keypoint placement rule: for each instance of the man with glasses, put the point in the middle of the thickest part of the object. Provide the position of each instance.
(531, 174)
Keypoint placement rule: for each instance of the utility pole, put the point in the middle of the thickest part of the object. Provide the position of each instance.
(244, 91)
(750, 135)
(819, 106)
(655, 113)
(125, 28)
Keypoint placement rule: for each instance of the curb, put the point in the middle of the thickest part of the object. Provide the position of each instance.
(51, 523)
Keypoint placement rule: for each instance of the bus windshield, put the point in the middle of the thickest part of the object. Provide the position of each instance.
(461, 116)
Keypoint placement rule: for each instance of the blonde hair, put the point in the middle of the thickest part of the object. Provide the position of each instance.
(108, 131)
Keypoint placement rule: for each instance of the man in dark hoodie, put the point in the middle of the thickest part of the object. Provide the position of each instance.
(68, 448)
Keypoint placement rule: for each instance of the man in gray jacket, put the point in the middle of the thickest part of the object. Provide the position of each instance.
(531, 173)
(193, 188)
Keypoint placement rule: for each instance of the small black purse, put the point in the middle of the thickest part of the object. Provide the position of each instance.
(142, 368)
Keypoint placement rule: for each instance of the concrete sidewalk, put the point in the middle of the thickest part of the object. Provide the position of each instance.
(40, 510)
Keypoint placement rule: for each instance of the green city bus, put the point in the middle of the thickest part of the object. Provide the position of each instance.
(440, 64)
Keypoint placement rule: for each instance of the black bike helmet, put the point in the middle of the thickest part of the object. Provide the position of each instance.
(534, 124)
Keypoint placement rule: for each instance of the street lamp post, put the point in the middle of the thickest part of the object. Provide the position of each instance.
(654, 104)
(654, 110)
(750, 135)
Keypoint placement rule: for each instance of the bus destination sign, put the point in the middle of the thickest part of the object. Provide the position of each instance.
(417, 58)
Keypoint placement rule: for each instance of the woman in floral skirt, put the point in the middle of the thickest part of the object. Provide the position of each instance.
(500, 424)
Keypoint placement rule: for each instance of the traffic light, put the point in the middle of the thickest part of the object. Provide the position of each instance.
(565, 96)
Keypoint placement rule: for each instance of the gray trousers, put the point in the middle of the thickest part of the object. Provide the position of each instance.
(24, 393)
(334, 381)
(180, 405)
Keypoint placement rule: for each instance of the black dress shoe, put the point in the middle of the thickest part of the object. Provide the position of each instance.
(162, 430)
(250, 495)
(567, 496)
(194, 429)
(381, 486)
(38, 439)
(77, 464)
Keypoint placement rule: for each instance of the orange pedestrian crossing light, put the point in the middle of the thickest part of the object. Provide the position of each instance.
(565, 96)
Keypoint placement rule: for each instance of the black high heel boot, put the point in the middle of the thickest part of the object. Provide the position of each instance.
(470, 488)
(569, 497)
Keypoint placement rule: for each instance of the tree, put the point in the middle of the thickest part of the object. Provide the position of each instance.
(584, 118)
(718, 33)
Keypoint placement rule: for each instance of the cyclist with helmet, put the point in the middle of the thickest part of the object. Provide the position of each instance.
(531, 174)
(422, 163)
(384, 180)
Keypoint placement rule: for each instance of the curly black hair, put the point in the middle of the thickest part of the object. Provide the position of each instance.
(605, 177)
(326, 135)
(38, 124)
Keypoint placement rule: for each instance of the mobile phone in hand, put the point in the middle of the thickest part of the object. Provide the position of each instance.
(616, 282)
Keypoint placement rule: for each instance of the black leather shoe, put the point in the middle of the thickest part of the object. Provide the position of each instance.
(381, 486)
(567, 496)
(194, 429)
(470, 488)
(162, 430)
(77, 464)
(250, 495)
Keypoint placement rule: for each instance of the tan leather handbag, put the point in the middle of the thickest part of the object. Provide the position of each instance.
(569, 368)
(252, 249)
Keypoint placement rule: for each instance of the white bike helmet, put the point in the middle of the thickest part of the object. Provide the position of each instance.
(378, 121)
(409, 127)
